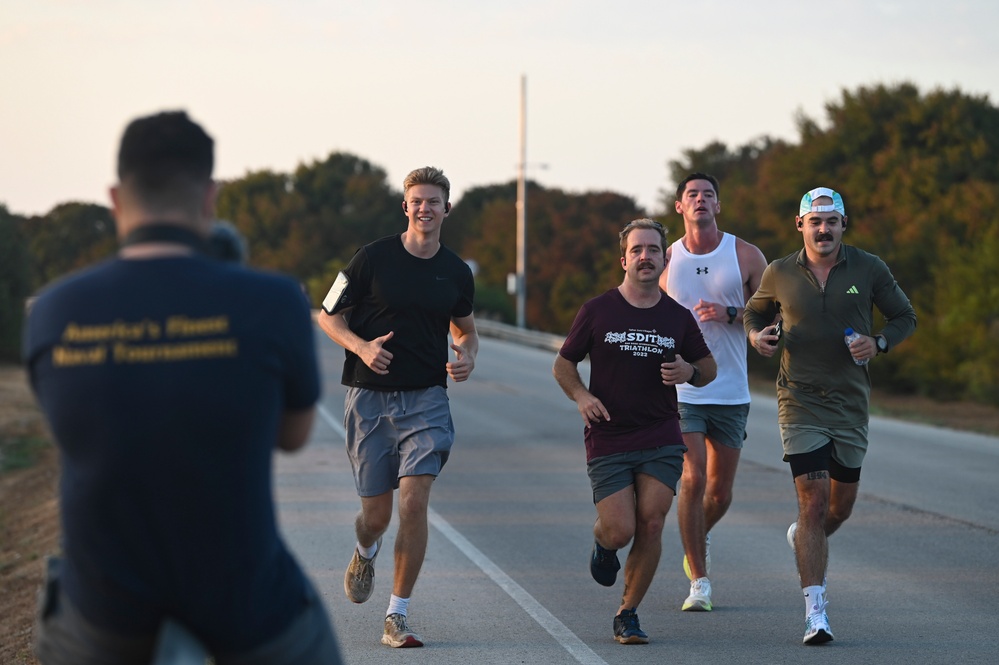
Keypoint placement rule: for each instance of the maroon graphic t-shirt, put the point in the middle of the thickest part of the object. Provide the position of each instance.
(626, 346)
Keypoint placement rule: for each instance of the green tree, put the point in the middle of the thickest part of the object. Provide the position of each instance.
(265, 208)
(468, 216)
(304, 223)
(15, 283)
(572, 246)
(956, 354)
(348, 203)
(67, 238)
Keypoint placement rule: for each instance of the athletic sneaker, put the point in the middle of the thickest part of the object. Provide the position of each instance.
(627, 630)
(397, 633)
(359, 580)
(699, 599)
(707, 559)
(817, 629)
(604, 565)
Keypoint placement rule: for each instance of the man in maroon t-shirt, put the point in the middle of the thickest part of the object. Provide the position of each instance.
(641, 344)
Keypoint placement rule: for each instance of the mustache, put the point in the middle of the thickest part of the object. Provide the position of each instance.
(824, 236)
(646, 264)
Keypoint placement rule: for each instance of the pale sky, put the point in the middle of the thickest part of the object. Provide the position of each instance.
(615, 89)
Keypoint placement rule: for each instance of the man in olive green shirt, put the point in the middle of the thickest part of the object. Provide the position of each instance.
(823, 388)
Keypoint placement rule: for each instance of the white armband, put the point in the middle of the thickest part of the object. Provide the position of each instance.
(336, 293)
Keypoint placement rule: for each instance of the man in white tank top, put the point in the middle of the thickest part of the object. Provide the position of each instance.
(713, 274)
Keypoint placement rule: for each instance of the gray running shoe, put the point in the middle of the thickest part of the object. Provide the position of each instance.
(359, 580)
(397, 633)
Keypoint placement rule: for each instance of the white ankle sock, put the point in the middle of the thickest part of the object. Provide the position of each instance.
(367, 552)
(397, 605)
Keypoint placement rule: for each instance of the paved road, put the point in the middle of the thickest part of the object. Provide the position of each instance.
(914, 575)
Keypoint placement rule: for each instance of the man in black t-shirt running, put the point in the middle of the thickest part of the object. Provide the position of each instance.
(391, 309)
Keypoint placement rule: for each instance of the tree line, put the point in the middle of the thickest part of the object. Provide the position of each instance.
(919, 173)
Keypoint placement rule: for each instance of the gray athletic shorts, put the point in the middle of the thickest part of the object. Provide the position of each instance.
(64, 637)
(722, 423)
(849, 444)
(396, 434)
(612, 473)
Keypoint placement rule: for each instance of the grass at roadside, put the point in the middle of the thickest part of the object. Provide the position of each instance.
(29, 515)
(21, 452)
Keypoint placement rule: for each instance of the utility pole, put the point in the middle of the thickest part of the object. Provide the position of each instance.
(522, 208)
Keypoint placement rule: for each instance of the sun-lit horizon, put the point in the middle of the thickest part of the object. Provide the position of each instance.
(614, 92)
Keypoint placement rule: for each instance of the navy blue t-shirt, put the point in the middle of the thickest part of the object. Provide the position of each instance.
(164, 382)
(627, 345)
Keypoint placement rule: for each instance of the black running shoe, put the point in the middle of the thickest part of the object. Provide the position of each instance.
(627, 630)
(604, 565)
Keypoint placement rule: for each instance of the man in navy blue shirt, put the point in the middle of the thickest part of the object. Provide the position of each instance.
(168, 378)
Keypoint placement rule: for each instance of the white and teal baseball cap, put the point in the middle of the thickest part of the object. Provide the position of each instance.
(807, 206)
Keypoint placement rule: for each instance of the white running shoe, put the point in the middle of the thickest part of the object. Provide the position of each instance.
(707, 559)
(817, 629)
(699, 599)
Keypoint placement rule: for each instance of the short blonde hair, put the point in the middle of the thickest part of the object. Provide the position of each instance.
(428, 175)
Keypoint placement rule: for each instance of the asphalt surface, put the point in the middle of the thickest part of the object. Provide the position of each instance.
(913, 578)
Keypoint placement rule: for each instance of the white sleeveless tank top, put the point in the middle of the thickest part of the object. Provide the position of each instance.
(713, 277)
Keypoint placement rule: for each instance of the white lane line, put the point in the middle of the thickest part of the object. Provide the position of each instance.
(334, 424)
(575, 646)
(565, 637)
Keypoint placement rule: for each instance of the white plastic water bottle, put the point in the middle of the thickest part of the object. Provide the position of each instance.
(848, 337)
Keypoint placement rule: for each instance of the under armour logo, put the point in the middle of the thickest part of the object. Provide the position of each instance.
(852, 289)
(702, 270)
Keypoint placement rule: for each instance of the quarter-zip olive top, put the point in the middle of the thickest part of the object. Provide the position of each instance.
(818, 382)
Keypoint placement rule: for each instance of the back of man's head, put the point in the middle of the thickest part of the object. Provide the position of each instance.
(165, 160)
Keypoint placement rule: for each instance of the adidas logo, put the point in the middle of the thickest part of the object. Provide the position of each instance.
(852, 289)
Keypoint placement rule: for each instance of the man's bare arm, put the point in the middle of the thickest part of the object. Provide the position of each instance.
(295, 427)
(566, 373)
(465, 346)
(373, 354)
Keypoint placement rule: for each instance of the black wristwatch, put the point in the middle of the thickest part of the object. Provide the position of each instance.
(882, 344)
(732, 313)
(695, 376)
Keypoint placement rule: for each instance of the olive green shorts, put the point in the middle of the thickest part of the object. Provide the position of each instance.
(849, 445)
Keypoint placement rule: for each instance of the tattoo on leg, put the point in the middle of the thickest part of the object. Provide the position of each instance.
(816, 475)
